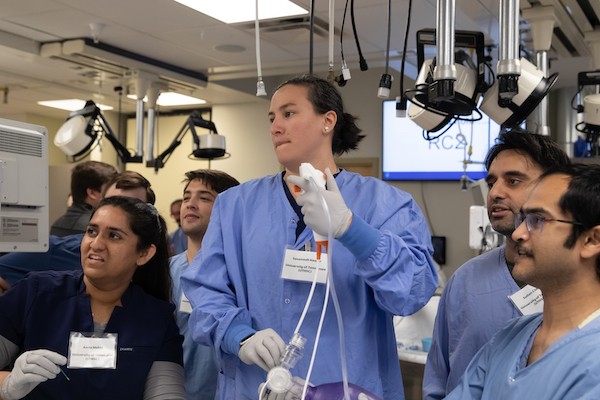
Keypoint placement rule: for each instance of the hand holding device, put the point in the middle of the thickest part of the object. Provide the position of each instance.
(31, 368)
(314, 215)
(264, 349)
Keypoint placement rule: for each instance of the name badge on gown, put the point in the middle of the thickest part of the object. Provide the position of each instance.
(528, 300)
(302, 266)
(184, 304)
(92, 352)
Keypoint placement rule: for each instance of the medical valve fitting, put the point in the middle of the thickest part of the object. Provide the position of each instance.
(279, 378)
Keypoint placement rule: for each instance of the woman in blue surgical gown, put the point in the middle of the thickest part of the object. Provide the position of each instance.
(381, 258)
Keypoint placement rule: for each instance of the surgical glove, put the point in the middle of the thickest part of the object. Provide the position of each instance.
(314, 215)
(264, 349)
(31, 368)
(293, 393)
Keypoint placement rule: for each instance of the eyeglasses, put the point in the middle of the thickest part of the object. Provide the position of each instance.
(535, 222)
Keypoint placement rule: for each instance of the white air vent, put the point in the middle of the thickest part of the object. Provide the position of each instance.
(290, 30)
(21, 143)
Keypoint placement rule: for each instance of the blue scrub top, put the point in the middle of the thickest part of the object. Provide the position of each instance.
(473, 307)
(382, 266)
(568, 370)
(64, 254)
(199, 361)
(41, 311)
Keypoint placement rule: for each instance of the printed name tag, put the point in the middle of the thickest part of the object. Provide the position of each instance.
(185, 305)
(302, 265)
(92, 352)
(528, 300)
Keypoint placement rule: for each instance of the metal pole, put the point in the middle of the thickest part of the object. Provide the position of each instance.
(508, 48)
(543, 128)
(139, 123)
(445, 69)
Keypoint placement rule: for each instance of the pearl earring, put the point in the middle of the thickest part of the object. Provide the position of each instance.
(327, 128)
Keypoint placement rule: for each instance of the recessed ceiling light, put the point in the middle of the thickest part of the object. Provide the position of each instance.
(70, 104)
(167, 99)
(232, 11)
(230, 48)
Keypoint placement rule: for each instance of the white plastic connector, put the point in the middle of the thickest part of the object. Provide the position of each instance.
(383, 93)
(260, 88)
(400, 107)
(307, 171)
(385, 84)
(279, 379)
(346, 71)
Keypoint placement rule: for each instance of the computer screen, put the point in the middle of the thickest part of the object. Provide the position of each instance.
(408, 156)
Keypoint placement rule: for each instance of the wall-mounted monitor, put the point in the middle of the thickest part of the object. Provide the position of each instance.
(408, 156)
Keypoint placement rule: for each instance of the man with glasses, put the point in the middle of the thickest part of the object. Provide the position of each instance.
(475, 303)
(556, 354)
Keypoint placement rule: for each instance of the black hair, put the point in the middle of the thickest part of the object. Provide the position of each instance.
(127, 180)
(218, 181)
(542, 150)
(581, 201)
(89, 175)
(324, 97)
(150, 228)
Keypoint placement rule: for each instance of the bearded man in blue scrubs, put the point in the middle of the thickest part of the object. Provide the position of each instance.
(475, 303)
(554, 354)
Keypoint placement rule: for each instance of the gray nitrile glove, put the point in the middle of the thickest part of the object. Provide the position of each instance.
(264, 349)
(31, 368)
(312, 209)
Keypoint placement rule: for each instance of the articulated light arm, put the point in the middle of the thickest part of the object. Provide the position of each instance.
(195, 119)
(77, 136)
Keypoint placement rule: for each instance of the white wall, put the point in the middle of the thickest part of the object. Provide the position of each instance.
(246, 131)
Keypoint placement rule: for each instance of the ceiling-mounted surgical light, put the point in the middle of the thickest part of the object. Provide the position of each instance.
(209, 146)
(532, 88)
(590, 125)
(428, 108)
(85, 127)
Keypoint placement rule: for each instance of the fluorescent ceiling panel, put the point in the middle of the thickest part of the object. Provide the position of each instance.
(70, 104)
(232, 11)
(167, 99)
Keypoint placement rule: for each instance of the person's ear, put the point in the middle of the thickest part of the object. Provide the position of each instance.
(591, 243)
(94, 195)
(330, 119)
(146, 255)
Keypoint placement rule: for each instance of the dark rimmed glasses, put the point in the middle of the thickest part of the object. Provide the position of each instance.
(535, 222)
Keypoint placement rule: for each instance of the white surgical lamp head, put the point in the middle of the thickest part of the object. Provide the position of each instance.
(77, 135)
(435, 116)
(73, 138)
(533, 86)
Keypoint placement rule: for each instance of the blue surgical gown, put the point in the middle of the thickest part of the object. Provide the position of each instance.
(568, 370)
(473, 307)
(235, 278)
(201, 368)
